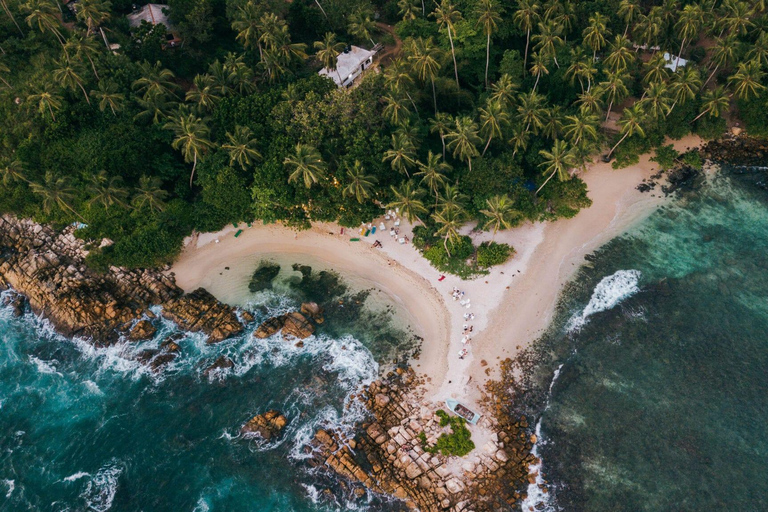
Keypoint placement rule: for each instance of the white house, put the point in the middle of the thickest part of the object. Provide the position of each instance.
(155, 14)
(674, 62)
(349, 65)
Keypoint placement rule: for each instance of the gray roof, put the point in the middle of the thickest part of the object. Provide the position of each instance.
(347, 63)
(151, 13)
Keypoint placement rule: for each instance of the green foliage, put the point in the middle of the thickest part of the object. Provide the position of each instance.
(458, 442)
(692, 159)
(666, 157)
(490, 254)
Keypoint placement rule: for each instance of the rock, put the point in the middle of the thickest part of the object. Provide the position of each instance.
(270, 327)
(143, 330)
(16, 302)
(413, 471)
(161, 360)
(454, 485)
(222, 363)
(263, 276)
(313, 311)
(266, 425)
(381, 400)
(199, 311)
(296, 325)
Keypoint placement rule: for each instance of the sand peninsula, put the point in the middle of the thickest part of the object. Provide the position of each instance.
(512, 305)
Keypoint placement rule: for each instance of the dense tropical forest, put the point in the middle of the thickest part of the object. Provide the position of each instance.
(482, 109)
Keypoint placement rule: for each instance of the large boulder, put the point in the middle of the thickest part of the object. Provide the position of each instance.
(222, 363)
(263, 276)
(265, 426)
(200, 311)
(269, 327)
(143, 330)
(313, 311)
(297, 326)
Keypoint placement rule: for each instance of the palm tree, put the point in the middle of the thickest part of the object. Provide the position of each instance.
(723, 54)
(408, 201)
(68, 78)
(591, 101)
(108, 96)
(500, 213)
(447, 16)
(616, 89)
(395, 109)
(156, 106)
(630, 124)
(328, 51)
(46, 102)
(520, 139)
(716, 102)
(656, 70)
(426, 62)
(648, 28)
(247, 24)
(538, 68)
(530, 110)
(55, 193)
(463, 140)
(43, 14)
(361, 26)
(657, 102)
(93, 12)
(451, 198)
(553, 122)
(402, 154)
(449, 222)
(191, 138)
(629, 10)
(407, 9)
(360, 183)
(205, 93)
(82, 46)
(620, 56)
(489, 16)
(503, 91)
(433, 173)
(12, 171)
(595, 33)
(526, 17)
(738, 18)
(154, 80)
(241, 147)
(492, 119)
(440, 124)
(149, 194)
(557, 161)
(306, 164)
(581, 127)
(747, 81)
(399, 80)
(107, 190)
(582, 67)
(4, 5)
(688, 25)
(685, 83)
(548, 39)
(758, 50)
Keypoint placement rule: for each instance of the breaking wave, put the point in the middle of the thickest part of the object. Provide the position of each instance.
(99, 492)
(608, 293)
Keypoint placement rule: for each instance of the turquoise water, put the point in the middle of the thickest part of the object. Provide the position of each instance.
(661, 402)
(92, 429)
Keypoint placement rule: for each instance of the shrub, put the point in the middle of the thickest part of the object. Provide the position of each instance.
(693, 159)
(666, 157)
(458, 442)
(491, 253)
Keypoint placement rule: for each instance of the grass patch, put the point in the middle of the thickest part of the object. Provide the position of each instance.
(458, 442)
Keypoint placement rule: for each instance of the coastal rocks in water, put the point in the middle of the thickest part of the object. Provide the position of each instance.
(388, 456)
(48, 268)
(143, 330)
(263, 276)
(221, 364)
(16, 303)
(200, 311)
(293, 325)
(297, 326)
(313, 311)
(265, 426)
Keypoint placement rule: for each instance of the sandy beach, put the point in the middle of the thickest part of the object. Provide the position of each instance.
(512, 305)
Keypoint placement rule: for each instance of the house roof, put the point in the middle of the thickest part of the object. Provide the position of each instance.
(151, 13)
(673, 61)
(347, 63)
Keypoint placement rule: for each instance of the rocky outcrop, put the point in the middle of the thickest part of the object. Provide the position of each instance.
(387, 455)
(293, 325)
(48, 268)
(199, 311)
(16, 301)
(219, 365)
(265, 426)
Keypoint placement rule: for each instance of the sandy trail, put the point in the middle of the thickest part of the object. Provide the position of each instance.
(512, 305)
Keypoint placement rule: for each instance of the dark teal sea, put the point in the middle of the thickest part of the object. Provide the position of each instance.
(92, 429)
(660, 401)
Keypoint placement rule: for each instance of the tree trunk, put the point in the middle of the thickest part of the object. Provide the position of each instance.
(698, 116)
(442, 139)
(525, 58)
(469, 161)
(487, 144)
(5, 82)
(453, 54)
(545, 182)
(84, 93)
(536, 83)
(487, 58)
(10, 15)
(93, 67)
(710, 76)
(445, 244)
(194, 165)
(610, 106)
(434, 98)
(323, 10)
(617, 145)
(412, 103)
(677, 61)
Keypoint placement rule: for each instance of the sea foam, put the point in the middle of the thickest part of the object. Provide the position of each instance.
(609, 292)
(100, 491)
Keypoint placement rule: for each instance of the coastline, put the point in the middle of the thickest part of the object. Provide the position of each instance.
(513, 304)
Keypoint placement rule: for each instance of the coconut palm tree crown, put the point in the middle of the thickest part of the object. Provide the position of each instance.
(305, 164)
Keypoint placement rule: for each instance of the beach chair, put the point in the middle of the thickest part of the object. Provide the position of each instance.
(367, 232)
(239, 232)
(373, 230)
(354, 239)
(401, 240)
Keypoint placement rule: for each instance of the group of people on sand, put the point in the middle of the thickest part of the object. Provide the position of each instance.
(467, 329)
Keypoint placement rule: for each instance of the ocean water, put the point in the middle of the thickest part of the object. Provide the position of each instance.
(656, 397)
(92, 429)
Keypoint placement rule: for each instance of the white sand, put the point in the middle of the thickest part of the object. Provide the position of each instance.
(512, 305)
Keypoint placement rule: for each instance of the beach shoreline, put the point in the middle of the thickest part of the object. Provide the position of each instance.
(513, 304)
